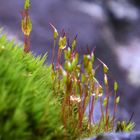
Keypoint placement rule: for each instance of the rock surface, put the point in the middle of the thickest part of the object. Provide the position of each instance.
(118, 136)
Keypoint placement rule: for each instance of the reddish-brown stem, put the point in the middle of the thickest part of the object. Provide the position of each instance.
(81, 113)
(101, 107)
(53, 52)
(101, 119)
(59, 58)
(80, 105)
(89, 110)
(82, 110)
(102, 113)
(107, 104)
(26, 43)
(25, 18)
(91, 116)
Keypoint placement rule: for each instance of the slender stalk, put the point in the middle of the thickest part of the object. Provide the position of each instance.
(107, 106)
(91, 117)
(26, 29)
(115, 109)
(102, 115)
(101, 108)
(53, 52)
(26, 43)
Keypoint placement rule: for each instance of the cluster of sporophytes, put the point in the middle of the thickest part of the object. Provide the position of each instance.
(79, 90)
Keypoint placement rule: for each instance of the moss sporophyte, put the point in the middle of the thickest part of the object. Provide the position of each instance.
(77, 87)
(26, 26)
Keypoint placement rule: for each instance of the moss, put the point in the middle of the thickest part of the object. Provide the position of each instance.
(28, 109)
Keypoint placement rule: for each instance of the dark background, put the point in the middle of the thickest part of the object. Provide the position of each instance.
(112, 26)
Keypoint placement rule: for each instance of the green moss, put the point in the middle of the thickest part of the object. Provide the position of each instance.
(28, 109)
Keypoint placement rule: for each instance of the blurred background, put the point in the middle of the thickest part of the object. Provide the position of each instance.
(112, 26)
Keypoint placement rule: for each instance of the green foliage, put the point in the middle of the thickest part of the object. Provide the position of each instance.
(28, 110)
(26, 25)
(115, 86)
(123, 126)
(117, 99)
(27, 4)
(62, 42)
